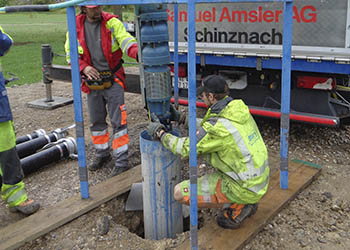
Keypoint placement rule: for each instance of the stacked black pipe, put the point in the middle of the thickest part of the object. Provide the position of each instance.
(30, 147)
(31, 136)
(39, 149)
(63, 148)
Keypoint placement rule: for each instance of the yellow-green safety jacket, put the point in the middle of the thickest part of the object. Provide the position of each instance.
(231, 140)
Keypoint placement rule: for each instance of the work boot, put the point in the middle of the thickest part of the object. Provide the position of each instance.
(233, 216)
(27, 207)
(99, 162)
(118, 170)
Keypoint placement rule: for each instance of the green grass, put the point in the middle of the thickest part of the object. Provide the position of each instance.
(29, 31)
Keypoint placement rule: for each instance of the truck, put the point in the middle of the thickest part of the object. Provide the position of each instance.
(243, 43)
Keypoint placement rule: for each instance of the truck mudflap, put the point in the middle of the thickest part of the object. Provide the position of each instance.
(330, 121)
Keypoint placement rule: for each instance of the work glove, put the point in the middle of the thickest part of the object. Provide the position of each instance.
(154, 128)
(178, 117)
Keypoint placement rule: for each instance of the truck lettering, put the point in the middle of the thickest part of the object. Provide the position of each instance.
(306, 14)
(201, 16)
(252, 16)
(215, 36)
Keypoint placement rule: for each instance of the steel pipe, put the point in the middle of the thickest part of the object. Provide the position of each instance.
(161, 171)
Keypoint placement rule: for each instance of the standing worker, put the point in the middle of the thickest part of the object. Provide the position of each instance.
(102, 40)
(11, 173)
(230, 138)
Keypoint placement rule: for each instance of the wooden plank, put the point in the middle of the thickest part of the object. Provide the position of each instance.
(212, 237)
(48, 219)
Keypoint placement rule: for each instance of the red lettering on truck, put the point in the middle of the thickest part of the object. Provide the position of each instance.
(306, 14)
(201, 16)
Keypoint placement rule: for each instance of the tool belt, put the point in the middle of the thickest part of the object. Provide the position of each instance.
(106, 79)
(104, 82)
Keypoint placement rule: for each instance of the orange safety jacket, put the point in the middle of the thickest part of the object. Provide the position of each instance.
(113, 58)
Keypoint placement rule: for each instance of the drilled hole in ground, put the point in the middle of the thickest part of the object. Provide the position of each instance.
(133, 220)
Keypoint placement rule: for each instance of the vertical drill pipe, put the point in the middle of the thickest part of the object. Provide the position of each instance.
(139, 44)
(46, 58)
(161, 171)
(30, 147)
(31, 136)
(176, 55)
(78, 109)
(36, 161)
(191, 10)
(286, 78)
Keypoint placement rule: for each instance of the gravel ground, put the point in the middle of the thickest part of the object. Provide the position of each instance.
(317, 219)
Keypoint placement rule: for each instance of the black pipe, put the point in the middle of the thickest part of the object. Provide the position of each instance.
(30, 147)
(31, 136)
(46, 59)
(61, 149)
(25, 8)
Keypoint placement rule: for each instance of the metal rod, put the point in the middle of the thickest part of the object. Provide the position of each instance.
(48, 92)
(285, 92)
(78, 108)
(176, 55)
(139, 44)
(191, 10)
(46, 59)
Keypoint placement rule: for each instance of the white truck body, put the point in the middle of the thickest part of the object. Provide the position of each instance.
(243, 42)
(320, 29)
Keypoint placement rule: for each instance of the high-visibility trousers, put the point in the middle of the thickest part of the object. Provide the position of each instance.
(12, 188)
(209, 190)
(111, 100)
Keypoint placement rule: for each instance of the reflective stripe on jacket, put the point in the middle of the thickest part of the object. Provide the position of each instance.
(230, 139)
(5, 110)
(114, 38)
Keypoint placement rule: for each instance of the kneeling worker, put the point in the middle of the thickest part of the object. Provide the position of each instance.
(230, 138)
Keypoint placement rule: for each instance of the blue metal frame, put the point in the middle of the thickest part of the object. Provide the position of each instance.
(78, 108)
(285, 92)
(191, 10)
(176, 56)
(138, 2)
(191, 58)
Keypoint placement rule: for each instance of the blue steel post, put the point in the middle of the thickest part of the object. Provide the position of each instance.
(191, 10)
(286, 85)
(176, 55)
(78, 109)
